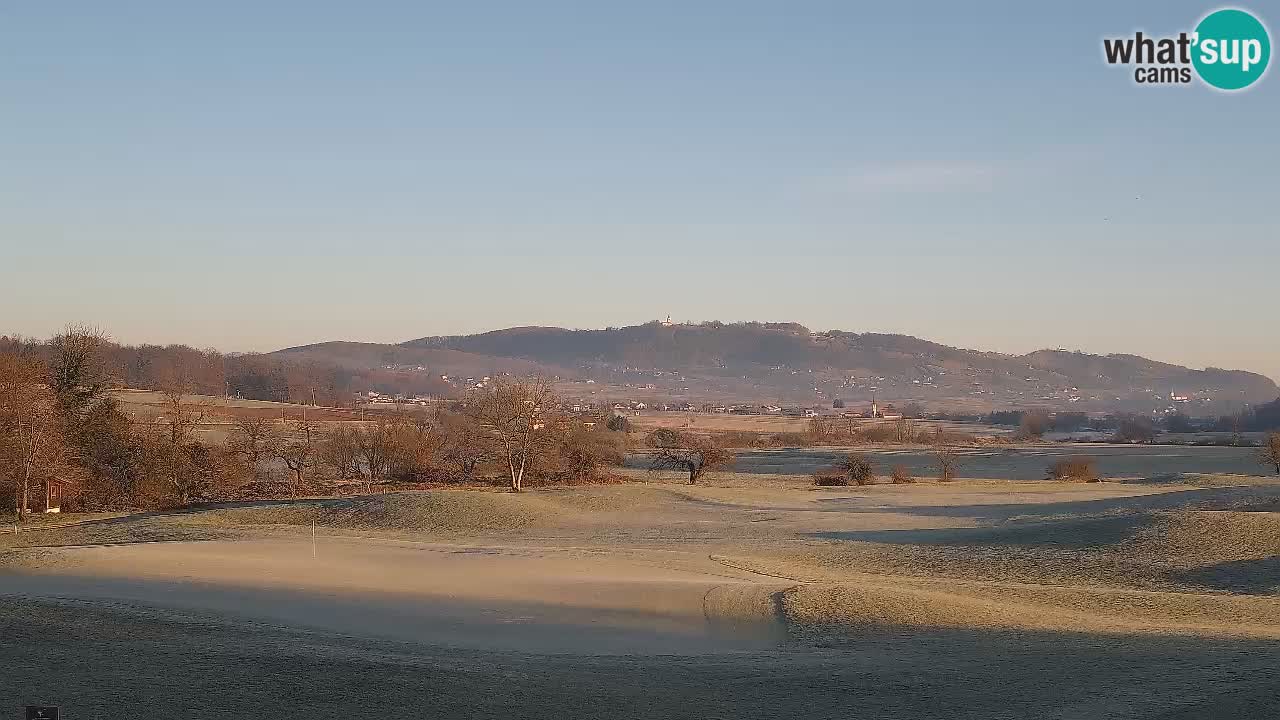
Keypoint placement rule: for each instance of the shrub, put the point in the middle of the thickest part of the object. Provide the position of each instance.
(584, 453)
(1034, 424)
(830, 477)
(742, 439)
(899, 475)
(791, 439)
(1135, 429)
(1073, 469)
(860, 469)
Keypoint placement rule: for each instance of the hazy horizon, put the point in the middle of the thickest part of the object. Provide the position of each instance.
(251, 178)
(397, 340)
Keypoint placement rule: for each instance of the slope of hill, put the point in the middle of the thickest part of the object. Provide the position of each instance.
(786, 362)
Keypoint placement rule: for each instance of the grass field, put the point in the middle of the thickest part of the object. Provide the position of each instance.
(726, 422)
(150, 403)
(751, 596)
(219, 415)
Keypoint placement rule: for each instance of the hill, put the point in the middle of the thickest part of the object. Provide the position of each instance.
(788, 363)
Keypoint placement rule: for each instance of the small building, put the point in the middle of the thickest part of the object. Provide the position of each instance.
(54, 490)
(50, 500)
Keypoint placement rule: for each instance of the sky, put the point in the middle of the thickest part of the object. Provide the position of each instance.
(249, 176)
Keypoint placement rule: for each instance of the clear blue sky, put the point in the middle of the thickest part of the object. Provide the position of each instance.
(250, 175)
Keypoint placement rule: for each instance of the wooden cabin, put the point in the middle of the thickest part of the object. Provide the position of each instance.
(54, 489)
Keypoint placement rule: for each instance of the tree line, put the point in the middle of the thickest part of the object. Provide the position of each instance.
(60, 424)
(249, 376)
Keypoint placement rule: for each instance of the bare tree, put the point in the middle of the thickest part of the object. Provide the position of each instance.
(1269, 453)
(376, 446)
(251, 441)
(182, 413)
(165, 462)
(904, 430)
(948, 461)
(464, 443)
(341, 452)
(817, 430)
(692, 454)
(1135, 429)
(415, 440)
(584, 451)
(518, 413)
(297, 451)
(169, 441)
(33, 450)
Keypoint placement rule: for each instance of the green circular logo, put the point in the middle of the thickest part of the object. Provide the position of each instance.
(1232, 49)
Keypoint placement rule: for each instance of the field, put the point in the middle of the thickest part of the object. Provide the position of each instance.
(727, 422)
(1019, 462)
(754, 595)
(151, 403)
(218, 415)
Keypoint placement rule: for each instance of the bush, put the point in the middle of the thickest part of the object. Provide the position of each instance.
(1135, 429)
(584, 453)
(899, 475)
(791, 439)
(1073, 469)
(860, 469)
(1034, 424)
(830, 477)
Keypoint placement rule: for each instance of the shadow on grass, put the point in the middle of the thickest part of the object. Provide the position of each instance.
(1256, 577)
(1174, 500)
(1074, 534)
(119, 664)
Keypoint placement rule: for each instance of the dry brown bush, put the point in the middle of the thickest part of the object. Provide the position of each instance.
(1074, 469)
(830, 477)
(860, 468)
(899, 475)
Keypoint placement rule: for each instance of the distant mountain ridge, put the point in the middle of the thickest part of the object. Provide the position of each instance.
(787, 362)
